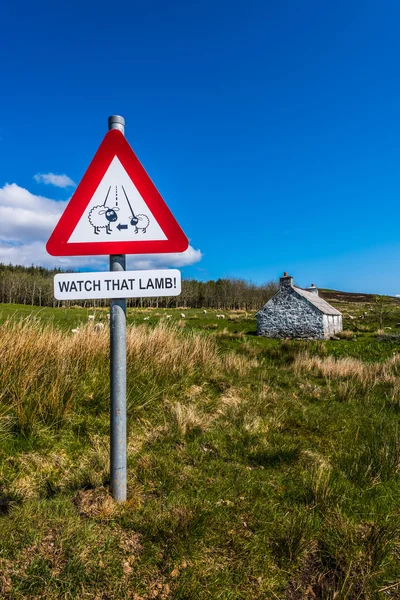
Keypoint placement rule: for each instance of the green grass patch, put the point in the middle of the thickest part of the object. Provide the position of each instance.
(256, 468)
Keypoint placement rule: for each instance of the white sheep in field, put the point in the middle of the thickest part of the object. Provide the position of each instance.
(220, 316)
(99, 327)
(146, 318)
(168, 316)
(91, 317)
(204, 312)
(183, 316)
(75, 330)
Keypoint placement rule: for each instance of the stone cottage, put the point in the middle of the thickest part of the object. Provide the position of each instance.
(294, 312)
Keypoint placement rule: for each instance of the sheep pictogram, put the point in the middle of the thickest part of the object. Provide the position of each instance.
(98, 221)
(96, 218)
(137, 221)
(140, 222)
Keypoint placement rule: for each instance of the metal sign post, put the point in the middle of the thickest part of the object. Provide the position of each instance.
(118, 372)
(141, 224)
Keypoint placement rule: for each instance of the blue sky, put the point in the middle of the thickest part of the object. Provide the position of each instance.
(271, 129)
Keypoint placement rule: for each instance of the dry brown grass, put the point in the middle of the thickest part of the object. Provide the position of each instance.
(96, 503)
(189, 418)
(352, 370)
(346, 334)
(39, 371)
(230, 399)
(34, 474)
(237, 316)
(171, 351)
(331, 367)
(45, 371)
(225, 333)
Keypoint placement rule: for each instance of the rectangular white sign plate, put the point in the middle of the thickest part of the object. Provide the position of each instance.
(117, 284)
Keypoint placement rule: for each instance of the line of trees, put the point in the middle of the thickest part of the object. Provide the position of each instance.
(34, 286)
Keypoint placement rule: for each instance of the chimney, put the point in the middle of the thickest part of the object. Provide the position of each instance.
(312, 289)
(286, 281)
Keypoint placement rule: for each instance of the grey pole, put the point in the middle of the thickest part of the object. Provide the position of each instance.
(118, 372)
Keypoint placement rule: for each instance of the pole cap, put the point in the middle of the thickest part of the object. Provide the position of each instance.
(116, 122)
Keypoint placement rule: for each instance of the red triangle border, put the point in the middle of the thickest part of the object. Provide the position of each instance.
(115, 144)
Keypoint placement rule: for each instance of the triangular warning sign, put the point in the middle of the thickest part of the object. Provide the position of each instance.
(116, 209)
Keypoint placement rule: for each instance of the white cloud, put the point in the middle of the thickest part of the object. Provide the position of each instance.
(25, 217)
(26, 222)
(62, 181)
(34, 253)
(156, 261)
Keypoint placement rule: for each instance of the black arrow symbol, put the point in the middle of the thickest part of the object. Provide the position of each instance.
(119, 226)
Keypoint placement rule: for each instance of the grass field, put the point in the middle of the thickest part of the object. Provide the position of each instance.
(256, 468)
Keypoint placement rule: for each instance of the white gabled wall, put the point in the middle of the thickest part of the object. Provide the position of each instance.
(332, 324)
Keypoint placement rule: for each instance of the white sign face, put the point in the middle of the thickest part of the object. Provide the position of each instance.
(117, 212)
(117, 284)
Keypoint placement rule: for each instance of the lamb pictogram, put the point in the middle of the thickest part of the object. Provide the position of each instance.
(137, 221)
(100, 216)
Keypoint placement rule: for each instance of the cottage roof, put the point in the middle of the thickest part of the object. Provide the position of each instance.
(316, 301)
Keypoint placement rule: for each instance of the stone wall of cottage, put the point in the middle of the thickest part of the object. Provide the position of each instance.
(288, 315)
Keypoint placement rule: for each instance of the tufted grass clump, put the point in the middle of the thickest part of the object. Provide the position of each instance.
(47, 375)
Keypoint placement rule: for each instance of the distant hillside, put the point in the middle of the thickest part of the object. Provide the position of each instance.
(335, 295)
